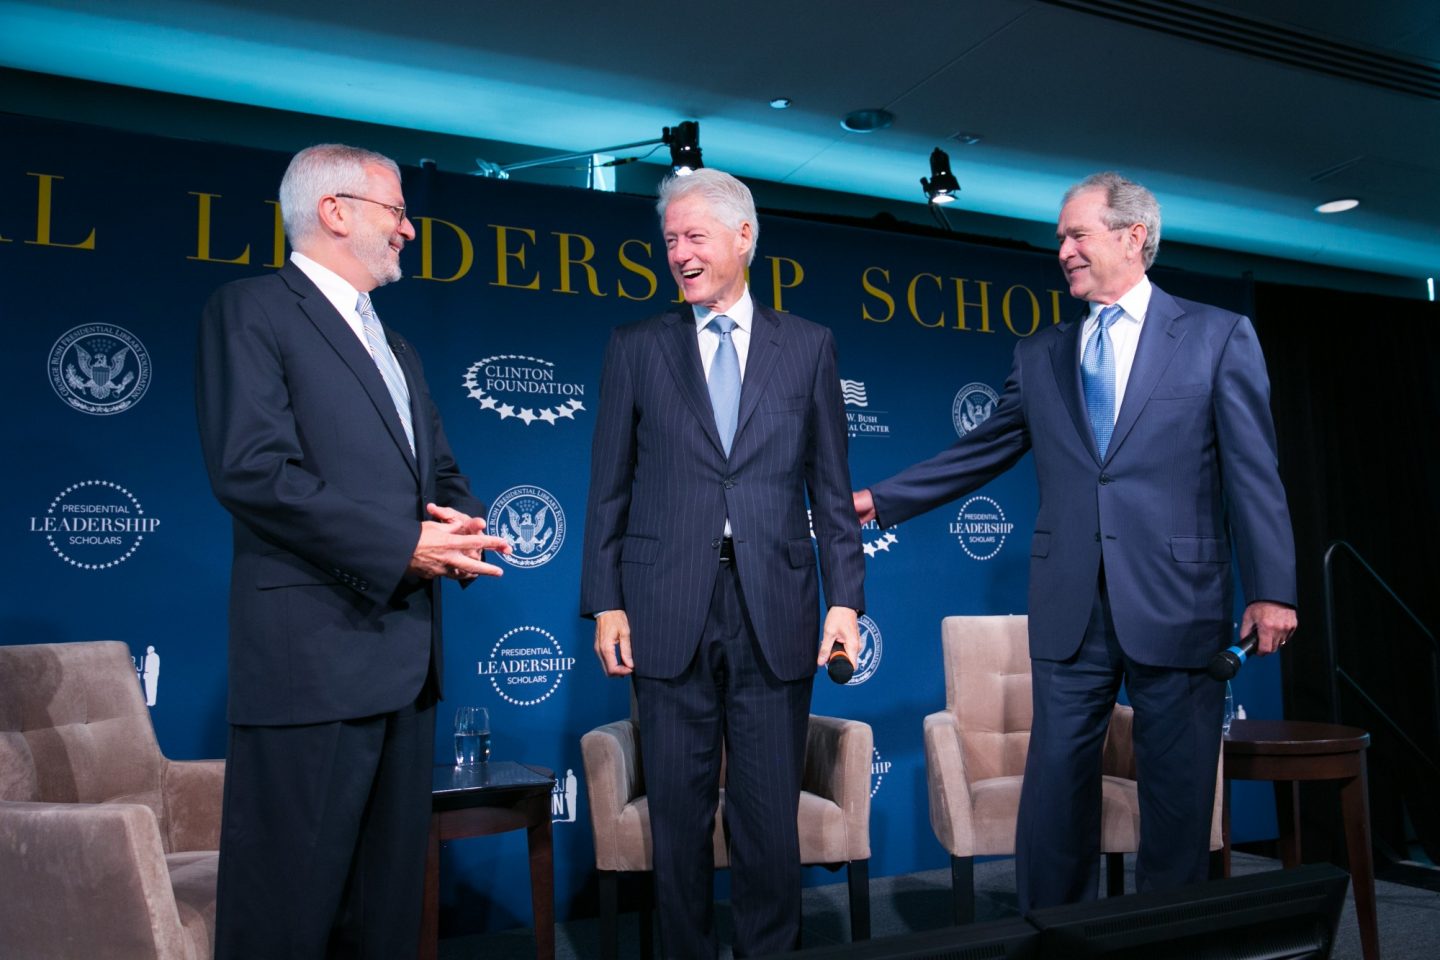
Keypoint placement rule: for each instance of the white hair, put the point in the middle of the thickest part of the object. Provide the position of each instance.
(729, 200)
(320, 171)
(1128, 203)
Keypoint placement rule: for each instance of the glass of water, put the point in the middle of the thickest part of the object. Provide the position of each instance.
(472, 736)
(1229, 710)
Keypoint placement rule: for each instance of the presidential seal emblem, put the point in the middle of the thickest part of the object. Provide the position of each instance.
(505, 383)
(981, 528)
(99, 368)
(526, 666)
(871, 648)
(531, 521)
(973, 406)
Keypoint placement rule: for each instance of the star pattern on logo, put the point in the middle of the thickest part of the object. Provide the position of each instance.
(886, 541)
(508, 411)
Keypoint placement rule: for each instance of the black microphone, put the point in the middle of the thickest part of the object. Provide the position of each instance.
(1225, 664)
(840, 668)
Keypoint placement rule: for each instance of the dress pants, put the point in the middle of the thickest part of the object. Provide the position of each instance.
(727, 698)
(1178, 714)
(323, 838)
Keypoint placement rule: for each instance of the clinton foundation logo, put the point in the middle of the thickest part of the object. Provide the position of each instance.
(99, 368)
(981, 528)
(862, 420)
(531, 521)
(94, 525)
(973, 406)
(526, 666)
(523, 388)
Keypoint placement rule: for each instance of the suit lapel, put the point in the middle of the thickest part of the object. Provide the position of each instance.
(1065, 362)
(681, 349)
(347, 346)
(1160, 337)
(764, 350)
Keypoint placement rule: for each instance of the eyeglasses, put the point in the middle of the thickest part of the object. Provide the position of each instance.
(398, 211)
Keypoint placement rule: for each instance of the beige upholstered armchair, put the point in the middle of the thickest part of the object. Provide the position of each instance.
(107, 849)
(975, 756)
(834, 815)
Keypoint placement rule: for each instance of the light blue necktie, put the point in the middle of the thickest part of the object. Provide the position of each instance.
(1097, 375)
(389, 367)
(725, 381)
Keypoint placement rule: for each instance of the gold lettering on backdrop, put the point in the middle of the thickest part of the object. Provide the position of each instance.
(797, 275)
(278, 238)
(43, 216)
(567, 261)
(914, 308)
(878, 294)
(961, 303)
(1055, 306)
(467, 252)
(639, 269)
(202, 241)
(1009, 318)
(503, 256)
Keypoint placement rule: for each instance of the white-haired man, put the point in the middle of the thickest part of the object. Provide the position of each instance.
(1155, 452)
(321, 440)
(716, 420)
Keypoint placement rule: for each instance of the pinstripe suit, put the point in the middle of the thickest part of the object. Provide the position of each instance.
(722, 652)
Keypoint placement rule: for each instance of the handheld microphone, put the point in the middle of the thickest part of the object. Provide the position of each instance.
(1225, 664)
(839, 666)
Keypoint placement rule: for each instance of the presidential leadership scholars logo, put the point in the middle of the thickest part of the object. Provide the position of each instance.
(526, 666)
(531, 521)
(981, 528)
(99, 368)
(523, 388)
(94, 524)
(973, 406)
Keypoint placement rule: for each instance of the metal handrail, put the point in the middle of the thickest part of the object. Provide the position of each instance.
(1339, 672)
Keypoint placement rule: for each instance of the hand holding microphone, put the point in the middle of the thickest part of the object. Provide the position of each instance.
(1227, 663)
(839, 666)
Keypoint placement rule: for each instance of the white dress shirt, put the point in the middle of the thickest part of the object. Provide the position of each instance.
(1124, 333)
(337, 290)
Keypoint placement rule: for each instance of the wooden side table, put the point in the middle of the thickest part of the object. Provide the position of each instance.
(1287, 751)
(488, 798)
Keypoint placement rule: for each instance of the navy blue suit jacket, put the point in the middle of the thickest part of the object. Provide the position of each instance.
(1190, 472)
(305, 450)
(661, 488)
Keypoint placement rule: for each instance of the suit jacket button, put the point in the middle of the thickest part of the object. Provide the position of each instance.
(715, 544)
(729, 483)
(1097, 536)
(1104, 478)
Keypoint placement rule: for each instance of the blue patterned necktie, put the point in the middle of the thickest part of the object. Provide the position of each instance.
(725, 381)
(389, 367)
(1097, 374)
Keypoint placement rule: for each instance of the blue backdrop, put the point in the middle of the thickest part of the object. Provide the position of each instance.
(112, 242)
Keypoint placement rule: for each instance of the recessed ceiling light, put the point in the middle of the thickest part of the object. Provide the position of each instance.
(781, 103)
(867, 121)
(968, 139)
(1338, 206)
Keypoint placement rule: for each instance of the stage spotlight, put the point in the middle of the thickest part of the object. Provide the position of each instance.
(942, 187)
(684, 143)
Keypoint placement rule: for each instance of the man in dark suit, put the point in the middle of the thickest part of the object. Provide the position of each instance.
(1155, 453)
(321, 440)
(716, 420)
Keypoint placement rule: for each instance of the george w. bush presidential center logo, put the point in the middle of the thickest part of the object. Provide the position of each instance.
(523, 388)
(531, 521)
(99, 368)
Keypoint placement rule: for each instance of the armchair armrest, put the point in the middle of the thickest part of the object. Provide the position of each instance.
(191, 792)
(612, 768)
(101, 861)
(1118, 759)
(952, 815)
(838, 759)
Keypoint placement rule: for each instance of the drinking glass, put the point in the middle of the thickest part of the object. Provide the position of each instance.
(472, 736)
